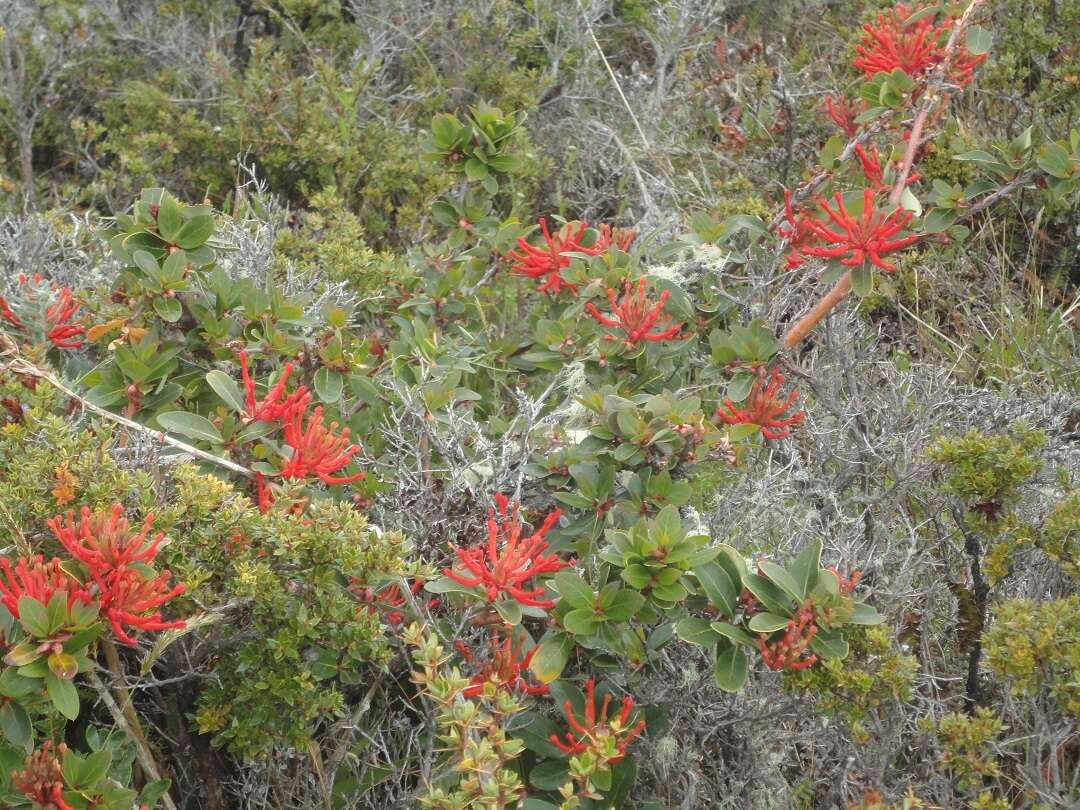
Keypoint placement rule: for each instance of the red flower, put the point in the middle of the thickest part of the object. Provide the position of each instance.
(42, 781)
(389, 599)
(316, 450)
(57, 316)
(589, 731)
(56, 321)
(799, 232)
(913, 46)
(549, 261)
(856, 240)
(39, 580)
(765, 407)
(505, 667)
(622, 238)
(848, 584)
(843, 113)
(8, 315)
(263, 495)
(117, 562)
(506, 567)
(792, 649)
(272, 407)
(635, 317)
(872, 170)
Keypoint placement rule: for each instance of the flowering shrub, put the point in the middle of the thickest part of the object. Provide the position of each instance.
(289, 404)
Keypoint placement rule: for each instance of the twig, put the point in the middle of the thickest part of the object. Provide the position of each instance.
(142, 750)
(611, 73)
(19, 365)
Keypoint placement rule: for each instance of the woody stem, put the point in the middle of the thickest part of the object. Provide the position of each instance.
(127, 720)
(805, 325)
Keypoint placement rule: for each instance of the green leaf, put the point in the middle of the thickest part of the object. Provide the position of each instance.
(475, 170)
(170, 218)
(828, 644)
(693, 630)
(63, 666)
(625, 605)
(1054, 159)
(328, 385)
(783, 579)
(733, 564)
(735, 633)
(718, 587)
(445, 128)
(15, 724)
(146, 262)
(94, 769)
(551, 774)
(978, 40)
(774, 599)
(64, 696)
(510, 610)
(805, 566)
(865, 614)
(575, 590)
(862, 280)
(731, 668)
(581, 621)
(195, 232)
(767, 622)
(34, 617)
(228, 389)
(551, 656)
(190, 425)
(168, 308)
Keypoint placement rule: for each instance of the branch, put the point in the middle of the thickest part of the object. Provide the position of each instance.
(16, 364)
(142, 750)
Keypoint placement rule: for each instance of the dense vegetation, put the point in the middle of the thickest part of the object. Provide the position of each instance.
(649, 404)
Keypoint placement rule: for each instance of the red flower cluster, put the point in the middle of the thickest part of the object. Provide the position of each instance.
(792, 649)
(548, 262)
(635, 316)
(58, 328)
(851, 240)
(914, 46)
(848, 584)
(58, 315)
(39, 580)
(116, 561)
(505, 667)
(588, 732)
(272, 408)
(765, 407)
(42, 781)
(504, 567)
(316, 450)
(843, 113)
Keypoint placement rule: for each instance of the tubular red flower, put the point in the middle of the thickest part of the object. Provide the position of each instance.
(116, 560)
(843, 113)
(9, 316)
(872, 170)
(854, 241)
(57, 316)
(39, 580)
(914, 46)
(847, 584)
(792, 649)
(799, 233)
(635, 316)
(316, 450)
(586, 733)
(42, 781)
(505, 567)
(272, 407)
(547, 262)
(622, 238)
(765, 407)
(505, 666)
